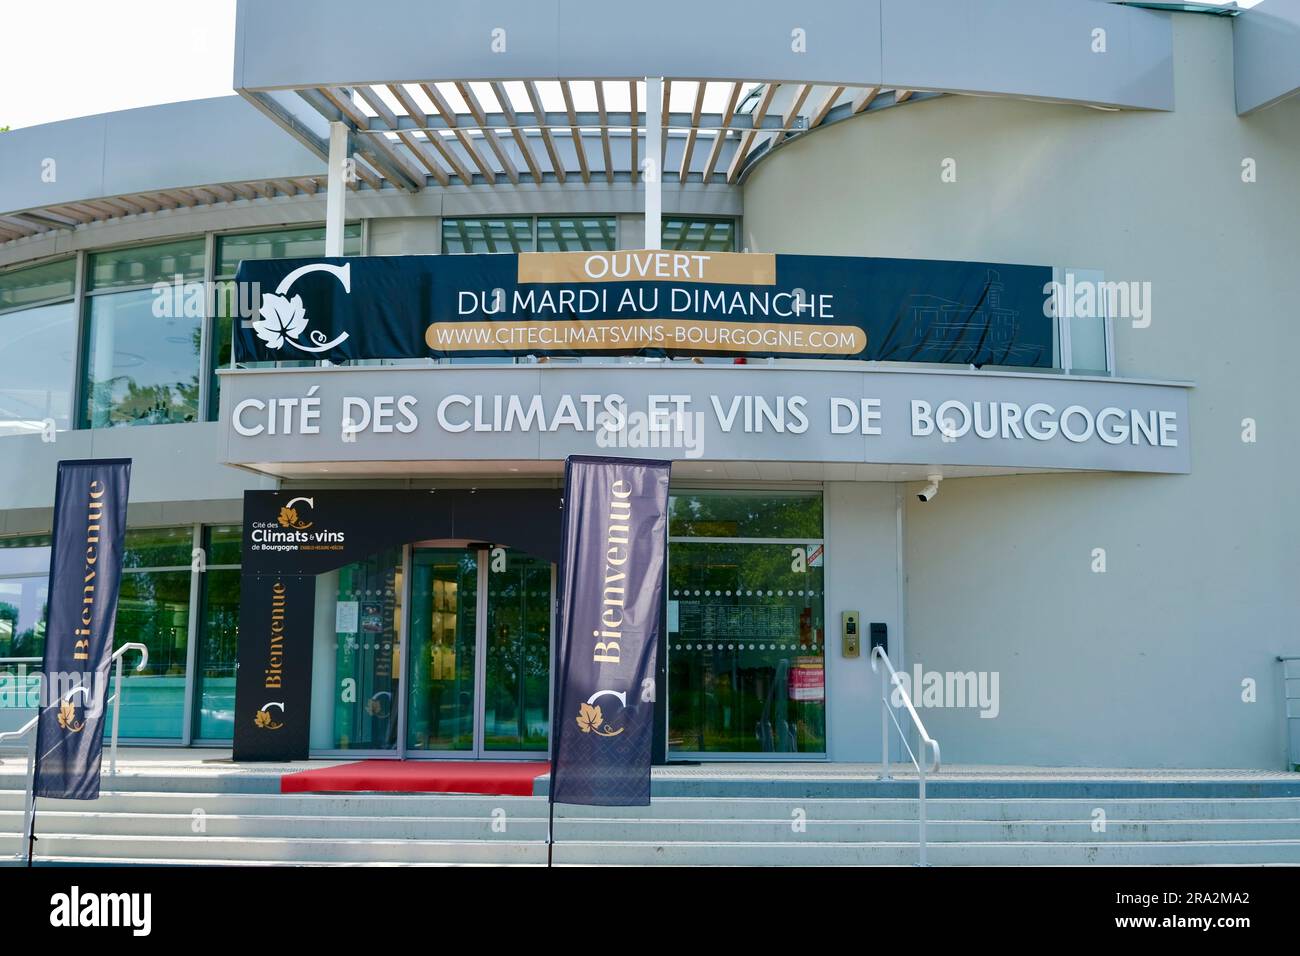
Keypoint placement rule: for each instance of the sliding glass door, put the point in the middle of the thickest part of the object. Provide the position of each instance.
(479, 638)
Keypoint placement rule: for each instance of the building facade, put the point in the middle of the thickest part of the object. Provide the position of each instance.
(1106, 581)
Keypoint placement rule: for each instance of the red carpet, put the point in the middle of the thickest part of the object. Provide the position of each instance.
(419, 776)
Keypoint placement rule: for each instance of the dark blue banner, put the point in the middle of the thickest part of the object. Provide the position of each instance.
(86, 550)
(645, 302)
(615, 540)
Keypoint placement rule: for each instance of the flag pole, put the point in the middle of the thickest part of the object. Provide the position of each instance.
(550, 820)
(31, 832)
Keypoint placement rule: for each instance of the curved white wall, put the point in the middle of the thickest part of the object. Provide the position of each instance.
(1142, 665)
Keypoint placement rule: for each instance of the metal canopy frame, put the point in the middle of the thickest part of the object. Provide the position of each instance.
(420, 135)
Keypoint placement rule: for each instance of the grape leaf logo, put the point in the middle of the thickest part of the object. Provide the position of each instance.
(283, 321)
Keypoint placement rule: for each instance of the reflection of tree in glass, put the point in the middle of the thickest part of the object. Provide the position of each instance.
(152, 609)
(747, 516)
(121, 401)
(29, 642)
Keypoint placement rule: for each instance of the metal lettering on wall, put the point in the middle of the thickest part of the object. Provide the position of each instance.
(715, 414)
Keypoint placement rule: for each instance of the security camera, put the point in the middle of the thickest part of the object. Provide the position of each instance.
(929, 491)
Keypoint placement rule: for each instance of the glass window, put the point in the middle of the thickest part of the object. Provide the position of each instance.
(38, 336)
(218, 634)
(145, 265)
(224, 544)
(24, 575)
(23, 287)
(140, 369)
(699, 235)
(158, 547)
(22, 635)
(712, 514)
(305, 243)
(218, 655)
(25, 554)
(577, 234)
(36, 368)
(487, 235)
(746, 630)
(153, 608)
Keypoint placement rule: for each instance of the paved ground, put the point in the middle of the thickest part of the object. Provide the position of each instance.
(205, 762)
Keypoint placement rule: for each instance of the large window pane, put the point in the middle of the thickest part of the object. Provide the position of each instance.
(51, 280)
(153, 609)
(24, 574)
(746, 661)
(711, 514)
(158, 548)
(25, 554)
(218, 654)
(140, 369)
(145, 265)
(700, 235)
(487, 235)
(224, 544)
(22, 616)
(36, 368)
(577, 234)
(305, 243)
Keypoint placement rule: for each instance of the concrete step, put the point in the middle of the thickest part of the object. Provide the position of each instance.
(694, 808)
(153, 850)
(591, 829)
(793, 787)
(337, 849)
(1198, 853)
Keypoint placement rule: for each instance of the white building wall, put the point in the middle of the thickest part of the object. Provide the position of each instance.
(1142, 665)
(861, 575)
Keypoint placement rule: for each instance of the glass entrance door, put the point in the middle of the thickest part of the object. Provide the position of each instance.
(480, 651)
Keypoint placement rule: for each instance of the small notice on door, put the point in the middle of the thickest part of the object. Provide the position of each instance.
(345, 617)
(816, 554)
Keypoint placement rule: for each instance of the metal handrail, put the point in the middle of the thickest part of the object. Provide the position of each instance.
(117, 690)
(29, 806)
(889, 678)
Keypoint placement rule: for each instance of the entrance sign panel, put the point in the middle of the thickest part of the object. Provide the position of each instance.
(646, 302)
(290, 537)
(615, 539)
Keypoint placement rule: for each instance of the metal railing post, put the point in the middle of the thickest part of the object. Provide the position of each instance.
(920, 770)
(29, 802)
(117, 714)
(117, 696)
(884, 724)
(927, 745)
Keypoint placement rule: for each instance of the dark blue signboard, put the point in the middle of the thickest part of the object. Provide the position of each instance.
(650, 303)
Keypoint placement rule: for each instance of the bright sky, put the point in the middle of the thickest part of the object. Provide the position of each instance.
(66, 58)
